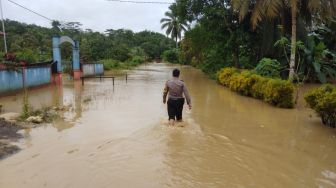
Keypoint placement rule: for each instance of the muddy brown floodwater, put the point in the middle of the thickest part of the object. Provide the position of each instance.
(117, 137)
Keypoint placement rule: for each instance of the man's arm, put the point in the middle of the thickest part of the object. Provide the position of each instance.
(165, 93)
(187, 96)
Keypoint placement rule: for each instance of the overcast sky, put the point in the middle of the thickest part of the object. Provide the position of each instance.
(97, 15)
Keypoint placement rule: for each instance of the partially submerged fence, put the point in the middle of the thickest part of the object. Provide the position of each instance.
(92, 69)
(17, 78)
(101, 77)
(13, 79)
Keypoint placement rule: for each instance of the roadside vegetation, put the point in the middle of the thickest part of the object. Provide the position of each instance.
(275, 91)
(120, 48)
(323, 101)
(299, 35)
(274, 46)
(171, 56)
(110, 64)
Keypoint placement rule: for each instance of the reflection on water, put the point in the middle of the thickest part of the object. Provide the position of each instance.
(118, 137)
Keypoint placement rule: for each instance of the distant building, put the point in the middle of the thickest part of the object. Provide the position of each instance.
(1, 33)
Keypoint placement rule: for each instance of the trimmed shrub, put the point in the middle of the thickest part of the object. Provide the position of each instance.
(274, 91)
(268, 67)
(224, 75)
(242, 83)
(323, 101)
(279, 93)
(257, 88)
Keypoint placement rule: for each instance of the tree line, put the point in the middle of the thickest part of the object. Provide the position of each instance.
(296, 38)
(33, 43)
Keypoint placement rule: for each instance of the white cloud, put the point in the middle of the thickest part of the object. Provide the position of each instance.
(98, 15)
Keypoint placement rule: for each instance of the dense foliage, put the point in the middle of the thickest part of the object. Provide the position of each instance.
(323, 101)
(32, 43)
(274, 91)
(241, 33)
(171, 56)
(110, 64)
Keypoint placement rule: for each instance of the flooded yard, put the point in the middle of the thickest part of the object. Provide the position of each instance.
(118, 137)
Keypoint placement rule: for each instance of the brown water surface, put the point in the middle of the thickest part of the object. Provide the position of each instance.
(117, 137)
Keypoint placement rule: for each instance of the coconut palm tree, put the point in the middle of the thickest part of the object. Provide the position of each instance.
(174, 25)
(270, 9)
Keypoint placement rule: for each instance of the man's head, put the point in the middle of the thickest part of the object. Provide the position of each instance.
(176, 73)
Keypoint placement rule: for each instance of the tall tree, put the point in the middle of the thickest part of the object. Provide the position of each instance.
(174, 25)
(56, 26)
(265, 9)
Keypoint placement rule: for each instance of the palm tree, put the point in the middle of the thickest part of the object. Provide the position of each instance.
(174, 25)
(270, 9)
(56, 26)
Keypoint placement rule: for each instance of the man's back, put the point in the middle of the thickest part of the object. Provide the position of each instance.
(176, 88)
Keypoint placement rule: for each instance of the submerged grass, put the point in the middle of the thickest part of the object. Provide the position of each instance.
(26, 108)
(47, 113)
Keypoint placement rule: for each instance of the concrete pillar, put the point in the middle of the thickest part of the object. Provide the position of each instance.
(57, 58)
(75, 61)
(57, 52)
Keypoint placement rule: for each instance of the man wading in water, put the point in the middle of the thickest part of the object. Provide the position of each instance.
(174, 89)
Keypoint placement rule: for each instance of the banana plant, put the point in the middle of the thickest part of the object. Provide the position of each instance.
(322, 60)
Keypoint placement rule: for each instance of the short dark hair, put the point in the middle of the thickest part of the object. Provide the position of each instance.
(176, 73)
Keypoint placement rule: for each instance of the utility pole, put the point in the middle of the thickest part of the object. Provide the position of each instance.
(3, 27)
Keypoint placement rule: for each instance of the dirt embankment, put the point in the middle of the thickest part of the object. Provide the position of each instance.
(8, 134)
(11, 123)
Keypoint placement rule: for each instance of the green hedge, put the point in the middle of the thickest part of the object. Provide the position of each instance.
(323, 101)
(274, 91)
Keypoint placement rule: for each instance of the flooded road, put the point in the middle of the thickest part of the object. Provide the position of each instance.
(117, 137)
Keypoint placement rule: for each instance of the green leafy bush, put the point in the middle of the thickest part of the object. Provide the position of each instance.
(27, 55)
(323, 101)
(171, 56)
(111, 64)
(274, 91)
(269, 68)
(320, 60)
(67, 66)
(136, 60)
